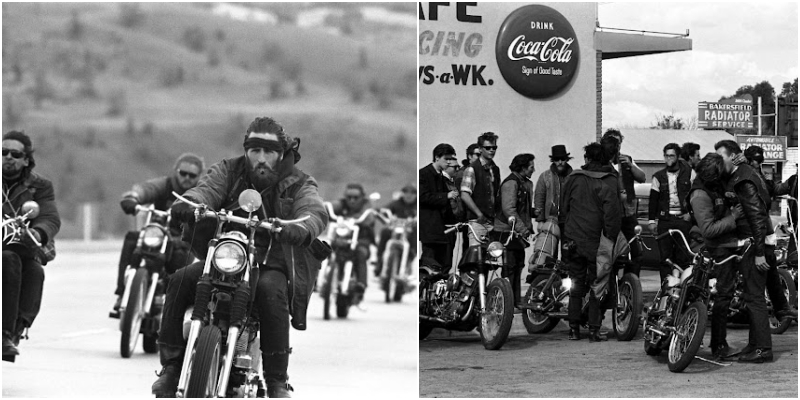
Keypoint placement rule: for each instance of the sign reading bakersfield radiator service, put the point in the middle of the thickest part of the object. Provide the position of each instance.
(732, 113)
(537, 51)
(774, 146)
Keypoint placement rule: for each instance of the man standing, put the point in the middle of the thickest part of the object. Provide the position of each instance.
(516, 209)
(592, 208)
(668, 206)
(434, 206)
(23, 275)
(690, 152)
(480, 187)
(751, 192)
(547, 197)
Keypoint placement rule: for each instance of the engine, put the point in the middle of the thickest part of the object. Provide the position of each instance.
(450, 299)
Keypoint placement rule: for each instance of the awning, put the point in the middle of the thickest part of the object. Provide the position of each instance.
(638, 43)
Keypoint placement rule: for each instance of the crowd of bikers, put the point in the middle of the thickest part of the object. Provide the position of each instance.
(720, 198)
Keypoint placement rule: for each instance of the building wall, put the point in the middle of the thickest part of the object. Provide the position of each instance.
(459, 114)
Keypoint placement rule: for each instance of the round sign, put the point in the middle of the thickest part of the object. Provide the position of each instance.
(537, 51)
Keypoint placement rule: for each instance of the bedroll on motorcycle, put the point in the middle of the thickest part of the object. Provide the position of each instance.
(545, 245)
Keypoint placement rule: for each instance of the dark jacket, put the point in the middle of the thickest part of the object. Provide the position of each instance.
(366, 231)
(546, 199)
(789, 187)
(401, 209)
(485, 191)
(434, 207)
(39, 189)
(157, 191)
(712, 214)
(294, 196)
(590, 203)
(515, 201)
(659, 200)
(752, 193)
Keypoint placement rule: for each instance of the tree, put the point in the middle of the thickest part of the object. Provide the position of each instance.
(789, 88)
(668, 122)
(764, 90)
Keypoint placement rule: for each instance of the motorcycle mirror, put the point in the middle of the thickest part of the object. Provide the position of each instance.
(250, 200)
(637, 230)
(32, 207)
(375, 196)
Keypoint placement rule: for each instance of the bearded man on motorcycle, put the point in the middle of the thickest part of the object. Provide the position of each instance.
(353, 205)
(23, 275)
(158, 191)
(285, 283)
(404, 207)
(591, 204)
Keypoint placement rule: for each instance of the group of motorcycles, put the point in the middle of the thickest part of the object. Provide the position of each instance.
(476, 296)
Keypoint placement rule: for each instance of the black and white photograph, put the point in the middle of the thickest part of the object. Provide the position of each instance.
(209, 200)
(608, 199)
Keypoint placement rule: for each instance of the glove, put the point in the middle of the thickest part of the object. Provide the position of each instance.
(295, 235)
(26, 239)
(129, 205)
(182, 212)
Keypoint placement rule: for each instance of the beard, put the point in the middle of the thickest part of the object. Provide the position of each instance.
(11, 170)
(263, 177)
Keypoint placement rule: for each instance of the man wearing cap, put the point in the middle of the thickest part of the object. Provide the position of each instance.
(547, 197)
(23, 275)
(288, 272)
(158, 191)
(403, 207)
(354, 204)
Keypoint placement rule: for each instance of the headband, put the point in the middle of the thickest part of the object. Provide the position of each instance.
(270, 145)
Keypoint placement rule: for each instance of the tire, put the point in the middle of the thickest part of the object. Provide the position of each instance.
(693, 322)
(149, 343)
(626, 320)
(424, 330)
(499, 314)
(390, 285)
(790, 286)
(134, 313)
(342, 305)
(536, 324)
(778, 327)
(327, 290)
(205, 365)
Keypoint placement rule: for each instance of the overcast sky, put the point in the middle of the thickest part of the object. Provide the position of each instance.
(733, 44)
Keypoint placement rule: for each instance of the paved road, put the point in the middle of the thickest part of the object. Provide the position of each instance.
(73, 349)
(548, 365)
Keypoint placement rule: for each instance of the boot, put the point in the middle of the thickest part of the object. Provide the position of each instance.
(171, 360)
(114, 313)
(9, 349)
(758, 356)
(279, 390)
(720, 351)
(574, 332)
(594, 334)
(275, 366)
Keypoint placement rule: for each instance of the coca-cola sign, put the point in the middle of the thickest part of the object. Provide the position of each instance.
(537, 51)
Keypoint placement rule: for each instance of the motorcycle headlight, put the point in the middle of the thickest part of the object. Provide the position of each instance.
(229, 258)
(153, 236)
(495, 249)
(342, 231)
(566, 283)
(399, 230)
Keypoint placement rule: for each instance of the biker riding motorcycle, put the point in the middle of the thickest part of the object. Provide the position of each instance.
(285, 282)
(354, 204)
(158, 191)
(404, 207)
(23, 275)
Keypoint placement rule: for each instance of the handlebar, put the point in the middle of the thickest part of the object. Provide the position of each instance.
(151, 208)
(20, 221)
(738, 244)
(272, 224)
(329, 208)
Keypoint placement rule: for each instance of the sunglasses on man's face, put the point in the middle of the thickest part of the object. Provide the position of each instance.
(187, 174)
(14, 153)
(490, 148)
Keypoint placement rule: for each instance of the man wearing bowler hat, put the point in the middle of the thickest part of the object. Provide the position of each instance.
(547, 195)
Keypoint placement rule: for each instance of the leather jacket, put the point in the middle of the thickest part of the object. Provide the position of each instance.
(756, 221)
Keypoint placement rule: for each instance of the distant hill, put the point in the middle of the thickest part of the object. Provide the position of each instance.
(112, 92)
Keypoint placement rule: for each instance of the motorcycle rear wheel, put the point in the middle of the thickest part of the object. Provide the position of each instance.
(134, 313)
(499, 314)
(692, 323)
(205, 364)
(626, 320)
(777, 326)
(538, 323)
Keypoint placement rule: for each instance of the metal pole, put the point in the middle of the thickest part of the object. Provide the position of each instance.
(759, 115)
(775, 130)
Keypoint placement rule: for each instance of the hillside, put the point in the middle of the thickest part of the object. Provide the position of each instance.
(111, 93)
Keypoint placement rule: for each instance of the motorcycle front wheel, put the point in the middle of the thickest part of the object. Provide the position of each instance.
(688, 337)
(496, 319)
(326, 291)
(538, 322)
(625, 314)
(134, 313)
(205, 365)
(392, 290)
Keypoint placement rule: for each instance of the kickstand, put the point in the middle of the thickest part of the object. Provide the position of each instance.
(713, 362)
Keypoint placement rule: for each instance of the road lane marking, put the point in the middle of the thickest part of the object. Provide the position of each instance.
(85, 333)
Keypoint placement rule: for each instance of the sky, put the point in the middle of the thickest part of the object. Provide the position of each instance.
(733, 44)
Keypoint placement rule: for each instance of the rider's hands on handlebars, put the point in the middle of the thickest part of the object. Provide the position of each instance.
(295, 235)
(27, 239)
(129, 205)
(182, 212)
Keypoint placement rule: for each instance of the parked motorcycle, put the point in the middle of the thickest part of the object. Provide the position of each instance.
(463, 301)
(145, 285)
(547, 299)
(677, 318)
(223, 355)
(337, 275)
(15, 230)
(395, 277)
(737, 312)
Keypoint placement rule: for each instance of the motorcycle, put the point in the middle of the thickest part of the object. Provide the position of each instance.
(678, 315)
(145, 285)
(223, 355)
(15, 228)
(786, 249)
(337, 276)
(449, 300)
(547, 299)
(737, 312)
(395, 278)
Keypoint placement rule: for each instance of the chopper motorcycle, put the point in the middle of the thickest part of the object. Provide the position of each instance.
(395, 277)
(463, 300)
(223, 355)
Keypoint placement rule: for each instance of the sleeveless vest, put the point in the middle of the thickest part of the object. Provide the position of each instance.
(684, 183)
(485, 191)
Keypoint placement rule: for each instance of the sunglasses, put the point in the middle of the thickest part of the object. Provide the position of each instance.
(187, 174)
(14, 153)
(490, 147)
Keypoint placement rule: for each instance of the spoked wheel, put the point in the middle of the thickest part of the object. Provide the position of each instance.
(688, 336)
(778, 326)
(133, 314)
(327, 289)
(390, 286)
(625, 314)
(539, 322)
(496, 319)
(205, 365)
